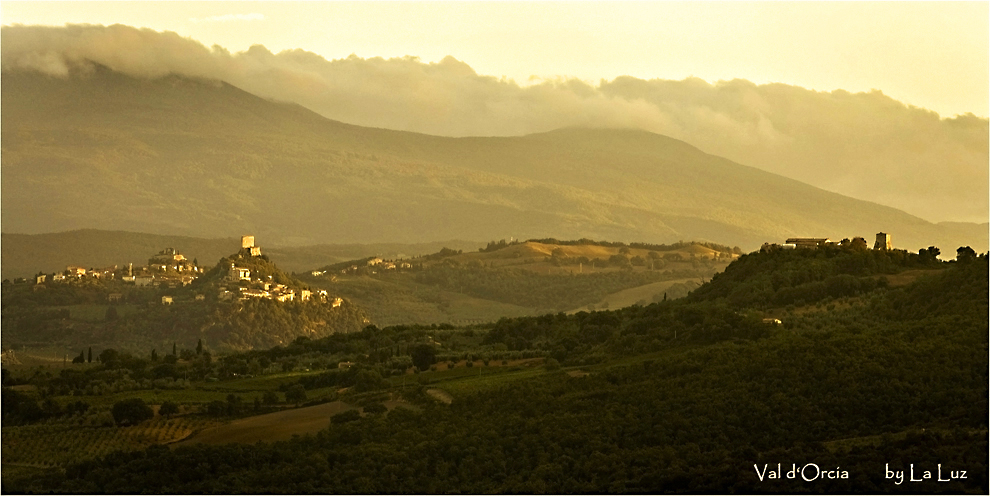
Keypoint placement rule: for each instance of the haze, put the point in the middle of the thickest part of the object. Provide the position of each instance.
(853, 98)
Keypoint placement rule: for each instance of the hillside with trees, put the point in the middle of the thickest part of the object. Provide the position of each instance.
(880, 362)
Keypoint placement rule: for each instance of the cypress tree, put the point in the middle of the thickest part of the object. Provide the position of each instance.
(89, 358)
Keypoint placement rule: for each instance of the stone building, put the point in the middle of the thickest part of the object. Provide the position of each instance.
(883, 242)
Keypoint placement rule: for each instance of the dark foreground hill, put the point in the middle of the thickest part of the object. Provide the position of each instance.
(201, 158)
(866, 379)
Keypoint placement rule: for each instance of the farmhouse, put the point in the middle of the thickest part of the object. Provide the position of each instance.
(808, 242)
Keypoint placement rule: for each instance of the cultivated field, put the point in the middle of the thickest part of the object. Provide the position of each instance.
(45, 445)
(278, 426)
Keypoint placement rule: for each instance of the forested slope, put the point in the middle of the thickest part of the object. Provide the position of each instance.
(897, 377)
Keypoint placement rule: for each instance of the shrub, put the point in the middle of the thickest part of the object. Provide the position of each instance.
(344, 417)
(131, 411)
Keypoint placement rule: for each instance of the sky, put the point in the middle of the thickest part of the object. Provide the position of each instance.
(934, 55)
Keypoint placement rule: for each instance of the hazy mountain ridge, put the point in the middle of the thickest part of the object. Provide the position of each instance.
(863, 144)
(202, 158)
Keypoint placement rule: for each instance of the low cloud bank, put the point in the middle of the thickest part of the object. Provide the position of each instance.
(865, 145)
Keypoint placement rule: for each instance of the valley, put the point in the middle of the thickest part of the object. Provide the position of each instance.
(705, 378)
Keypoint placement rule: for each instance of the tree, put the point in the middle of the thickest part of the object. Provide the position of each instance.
(424, 355)
(965, 254)
(296, 394)
(199, 347)
(109, 358)
(930, 254)
(111, 314)
(174, 349)
(233, 404)
(131, 411)
(81, 358)
(375, 408)
(154, 355)
(270, 397)
(551, 364)
(367, 380)
(216, 408)
(168, 409)
(344, 417)
(90, 357)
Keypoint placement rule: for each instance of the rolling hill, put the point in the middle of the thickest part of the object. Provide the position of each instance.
(189, 157)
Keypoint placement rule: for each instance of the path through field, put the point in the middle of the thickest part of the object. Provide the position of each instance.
(276, 426)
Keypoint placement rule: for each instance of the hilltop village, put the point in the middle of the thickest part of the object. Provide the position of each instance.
(170, 269)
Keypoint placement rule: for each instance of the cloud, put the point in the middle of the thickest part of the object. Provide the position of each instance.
(229, 17)
(865, 145)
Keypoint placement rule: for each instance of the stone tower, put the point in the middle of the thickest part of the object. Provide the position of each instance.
(248, 241)
(883, 242)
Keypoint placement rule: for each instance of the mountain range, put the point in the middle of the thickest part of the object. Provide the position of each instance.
(191, 157)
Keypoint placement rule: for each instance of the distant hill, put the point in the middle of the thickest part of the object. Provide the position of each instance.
(518, 279)
(200, 158)
(26, 254)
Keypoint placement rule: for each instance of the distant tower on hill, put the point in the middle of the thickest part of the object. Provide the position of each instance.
(248, 243)
(883, 242)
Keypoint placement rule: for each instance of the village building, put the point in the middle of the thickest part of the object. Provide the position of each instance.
(254, 293)
(238, 273)
(166, 300)
(808, 242)
(40, 279)
(114, 297)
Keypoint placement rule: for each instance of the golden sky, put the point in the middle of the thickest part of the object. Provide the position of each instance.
(929, 54)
